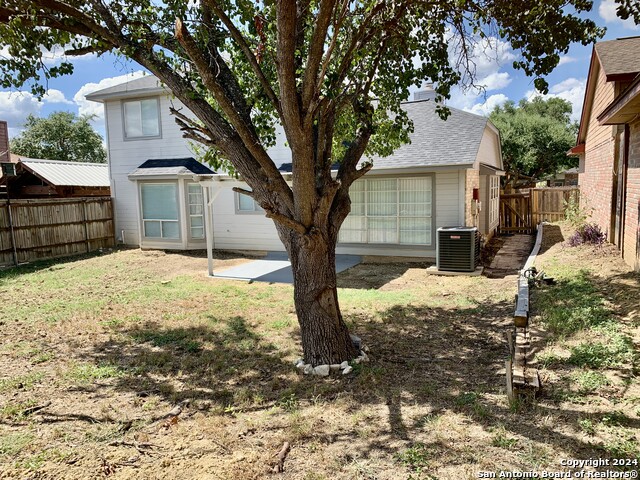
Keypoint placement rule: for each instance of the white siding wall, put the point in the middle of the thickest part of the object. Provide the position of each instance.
(244, 231)
(126, 155)
(489, 150)
(240, 231)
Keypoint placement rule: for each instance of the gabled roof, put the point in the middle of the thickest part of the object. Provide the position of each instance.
(146, 85)
(625, 108)
(436, 142)
(619, 60)
(171, 167)
(619, 57)
(68, 174)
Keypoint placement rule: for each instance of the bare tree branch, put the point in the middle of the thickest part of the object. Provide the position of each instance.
(244, 46)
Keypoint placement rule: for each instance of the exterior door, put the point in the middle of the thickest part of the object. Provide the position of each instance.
(619, 183)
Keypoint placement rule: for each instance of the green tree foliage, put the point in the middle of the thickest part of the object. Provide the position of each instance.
(629, 9)
(333, 73)
(60, 136)
(535, 137)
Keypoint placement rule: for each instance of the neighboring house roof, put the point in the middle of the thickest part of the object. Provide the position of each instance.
(436, 142)
(142, 86)
(171, 166)
(68, 174)
(619, 57)
(619, 60)
(625, 107)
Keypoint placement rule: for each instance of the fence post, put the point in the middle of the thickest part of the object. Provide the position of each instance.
(12, 234)
(84, 221)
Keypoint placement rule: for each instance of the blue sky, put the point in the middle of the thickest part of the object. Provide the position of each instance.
(493, 69)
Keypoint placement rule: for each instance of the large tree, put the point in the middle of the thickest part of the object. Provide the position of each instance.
(535, 136)
(331, 72)
(60, 136)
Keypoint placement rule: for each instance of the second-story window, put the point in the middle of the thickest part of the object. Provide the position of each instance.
(141, 118)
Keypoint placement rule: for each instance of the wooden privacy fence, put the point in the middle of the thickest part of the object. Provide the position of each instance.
(37, 229)
(521, 212)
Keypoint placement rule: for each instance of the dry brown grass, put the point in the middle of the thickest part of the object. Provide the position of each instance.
(115, 341)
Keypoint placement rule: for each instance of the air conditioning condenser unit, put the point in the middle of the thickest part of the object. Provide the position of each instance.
(458, 249)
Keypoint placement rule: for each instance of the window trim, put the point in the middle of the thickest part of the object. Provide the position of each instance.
(143, 137)
(257, 209)
(398, 217)
(188, 213)
(494, 201)
(160, 239)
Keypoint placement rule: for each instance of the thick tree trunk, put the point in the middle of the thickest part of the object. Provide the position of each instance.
(325, 337)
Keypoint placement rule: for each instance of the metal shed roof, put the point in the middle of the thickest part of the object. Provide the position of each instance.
(68, 174)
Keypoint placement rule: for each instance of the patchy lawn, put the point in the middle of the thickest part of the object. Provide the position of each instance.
(116, 341)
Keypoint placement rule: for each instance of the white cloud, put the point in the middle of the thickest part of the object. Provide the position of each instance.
(488, 105)
(607, 11)
(16, 106)
(495, 81)
(4, 53)
(86, 107)
(566, 59)
(570, 89)
(56, 96)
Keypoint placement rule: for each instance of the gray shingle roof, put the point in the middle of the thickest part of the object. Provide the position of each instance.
(69, 174)
(139, 86)
(436, 142)
(171, 166)
(619, 57)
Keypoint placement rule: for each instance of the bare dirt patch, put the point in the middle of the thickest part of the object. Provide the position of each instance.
(116, 342)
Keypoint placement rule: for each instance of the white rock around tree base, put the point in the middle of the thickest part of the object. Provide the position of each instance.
(325, 370)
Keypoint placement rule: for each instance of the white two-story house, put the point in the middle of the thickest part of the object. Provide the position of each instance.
(448, 170)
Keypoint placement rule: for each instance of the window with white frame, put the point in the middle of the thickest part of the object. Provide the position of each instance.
(494, 199)
(390, 210)
(141, 118)
(195, 205)
(246, 204)
(160, 218)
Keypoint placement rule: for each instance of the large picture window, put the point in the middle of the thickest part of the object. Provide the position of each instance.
(141, 118)
(390, 210)
(160, 210)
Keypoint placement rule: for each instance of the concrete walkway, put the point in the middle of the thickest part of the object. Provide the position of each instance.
(511, 257)
(276, 268)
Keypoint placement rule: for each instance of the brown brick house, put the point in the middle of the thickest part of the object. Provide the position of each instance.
(609, 144)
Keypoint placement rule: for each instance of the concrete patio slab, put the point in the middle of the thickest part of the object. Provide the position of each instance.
(276, 268)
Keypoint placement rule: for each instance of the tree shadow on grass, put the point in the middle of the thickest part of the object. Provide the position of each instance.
(445, 360)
